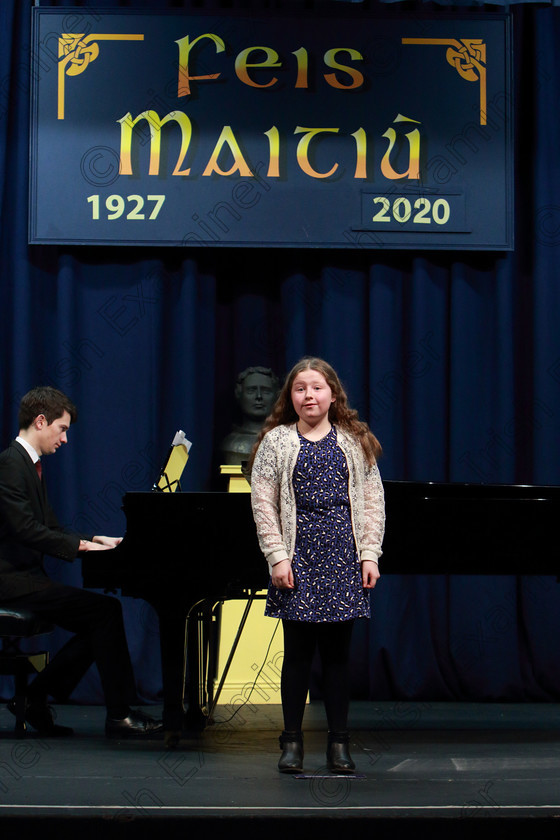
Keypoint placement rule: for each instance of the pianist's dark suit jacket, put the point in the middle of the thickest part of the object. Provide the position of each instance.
(28, 527)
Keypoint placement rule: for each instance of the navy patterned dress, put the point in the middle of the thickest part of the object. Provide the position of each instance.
(327, 572)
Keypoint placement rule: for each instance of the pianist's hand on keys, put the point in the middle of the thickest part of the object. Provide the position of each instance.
(99, 543)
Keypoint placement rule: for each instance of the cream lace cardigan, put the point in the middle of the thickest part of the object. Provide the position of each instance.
(273, 501)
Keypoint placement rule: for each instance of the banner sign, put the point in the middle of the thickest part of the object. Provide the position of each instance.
(321, 131)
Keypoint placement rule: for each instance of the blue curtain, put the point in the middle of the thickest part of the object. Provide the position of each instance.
(454, 359)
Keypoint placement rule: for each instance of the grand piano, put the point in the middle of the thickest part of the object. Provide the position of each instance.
(185, 553)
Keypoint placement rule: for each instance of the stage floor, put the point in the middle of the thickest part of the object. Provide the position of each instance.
(422, 762)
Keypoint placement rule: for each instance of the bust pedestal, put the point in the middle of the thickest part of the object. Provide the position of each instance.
(237, 481)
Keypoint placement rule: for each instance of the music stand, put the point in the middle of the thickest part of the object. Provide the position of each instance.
(170, 476)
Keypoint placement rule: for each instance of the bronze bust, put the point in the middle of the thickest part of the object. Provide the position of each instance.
(256, 390)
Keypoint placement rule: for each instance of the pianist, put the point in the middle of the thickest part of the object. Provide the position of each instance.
(29, 530)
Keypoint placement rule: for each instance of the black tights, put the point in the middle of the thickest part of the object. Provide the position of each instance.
(300, 640)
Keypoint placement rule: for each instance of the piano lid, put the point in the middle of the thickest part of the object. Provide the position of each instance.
(459, 528)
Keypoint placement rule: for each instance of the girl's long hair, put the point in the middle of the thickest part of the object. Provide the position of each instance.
(340, 413)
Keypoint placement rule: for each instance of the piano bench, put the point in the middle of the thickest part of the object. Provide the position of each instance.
(17, 624)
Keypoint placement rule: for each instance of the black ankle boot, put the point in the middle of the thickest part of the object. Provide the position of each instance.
(338, 755)
(291, 760)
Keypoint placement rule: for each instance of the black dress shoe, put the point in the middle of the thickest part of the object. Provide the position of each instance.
(291, 760)
(136, 724)
(40, 717)
(338, 755)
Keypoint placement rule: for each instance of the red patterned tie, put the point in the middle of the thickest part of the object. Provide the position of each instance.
(39, 468)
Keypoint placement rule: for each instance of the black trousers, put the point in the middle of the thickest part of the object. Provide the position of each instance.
(301, 639)
(100, 637)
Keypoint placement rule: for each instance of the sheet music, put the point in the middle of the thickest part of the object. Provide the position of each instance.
(179, 455)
